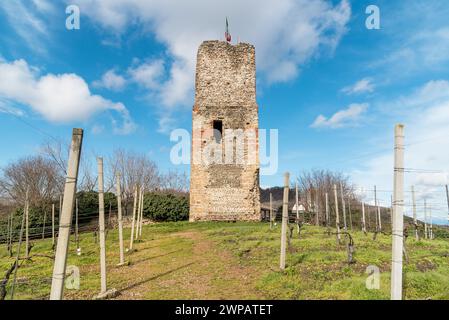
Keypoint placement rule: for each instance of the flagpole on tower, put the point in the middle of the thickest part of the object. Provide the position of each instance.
(228, 36)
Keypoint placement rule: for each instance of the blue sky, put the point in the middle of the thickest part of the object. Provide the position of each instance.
(333, 88)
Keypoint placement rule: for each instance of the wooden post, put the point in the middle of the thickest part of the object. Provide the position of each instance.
(134, 219)
(8, 231)
(43, 225)
(398, 217)
(297, 207)
(327, 209)
(11, 234)
(379, 220)
(19, 246)
(425, 219)
(337, 215)
(60, 210)
(375, 213)
(344, 206)
(26, 213)
(363, 218)
(120, 222)
(53, 225)
(431, 223)
(141, 213)
(77, 239)
(109, 224)
(350, 214)
(57, 285)
(284, 220)
(271, 210)
(101, 221)
(138, 214)
(391, 212)
(415, 221)
(447, 199)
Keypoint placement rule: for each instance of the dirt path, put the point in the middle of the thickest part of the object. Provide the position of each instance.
(184, 265)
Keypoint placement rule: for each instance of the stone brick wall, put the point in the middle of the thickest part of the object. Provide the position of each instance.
(225, 91)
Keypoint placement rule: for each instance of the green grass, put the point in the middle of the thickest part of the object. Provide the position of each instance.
(238, 261)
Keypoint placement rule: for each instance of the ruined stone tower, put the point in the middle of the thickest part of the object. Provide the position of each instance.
(225, 183)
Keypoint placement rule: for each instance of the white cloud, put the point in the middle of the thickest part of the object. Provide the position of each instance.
(44, 6)
(287, 34)
(361, 86)
(342, 118)
(28, 23)
(148, 74)
(97, 129)
(111, 81)
(58, 98)
(417, 52)
(7, 108)
(425, 114)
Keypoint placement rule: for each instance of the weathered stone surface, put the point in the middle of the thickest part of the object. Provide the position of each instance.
(225, 91)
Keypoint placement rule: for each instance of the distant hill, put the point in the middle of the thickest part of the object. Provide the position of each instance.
(356, 213)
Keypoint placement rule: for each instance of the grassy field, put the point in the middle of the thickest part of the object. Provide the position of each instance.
(238, 261)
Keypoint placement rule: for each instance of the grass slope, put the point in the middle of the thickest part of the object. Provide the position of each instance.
(238, 261)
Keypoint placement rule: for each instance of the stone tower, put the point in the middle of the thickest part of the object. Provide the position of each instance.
(224, 175)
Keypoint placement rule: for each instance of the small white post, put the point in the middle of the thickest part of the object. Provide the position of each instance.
(431, 223)
(43, 225)
(398, 218)
(26, 212)
(344, 207)
(379, 224)
(271, 211)
(141, 212)
(297, 207)
(65, 218)
(375, 212)
(53, 225)
(447, 199)
(284, 220)
(11, 235)
(415, 221)
(363, 218)
(101, 226)
(350, 214)
(77, 239)
(425, 219)
(138, 213)
(134, 219)
(60, 210)
(120, 221)
(327, 209)
(337, 215)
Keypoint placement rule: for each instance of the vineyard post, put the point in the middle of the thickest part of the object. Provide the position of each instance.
(337, 215)
(65, 219)
(120, 222)
(284, 220)
(398, 218)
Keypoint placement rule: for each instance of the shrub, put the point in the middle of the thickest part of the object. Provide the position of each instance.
(166, 207)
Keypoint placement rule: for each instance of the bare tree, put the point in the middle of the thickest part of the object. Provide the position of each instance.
(315, 184)
(41, 175)
(58, 153)
(135, 170)
(175, 181)
(88, 179)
